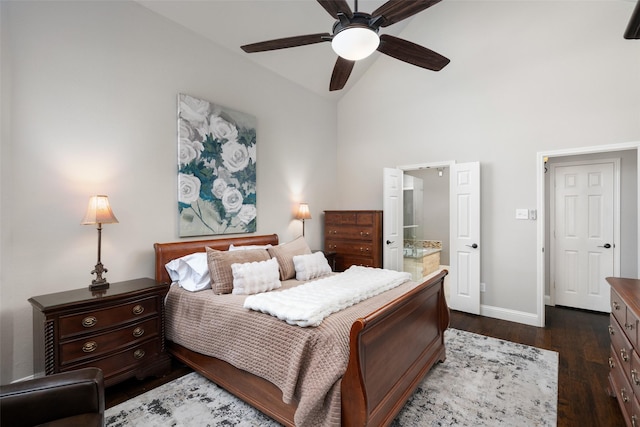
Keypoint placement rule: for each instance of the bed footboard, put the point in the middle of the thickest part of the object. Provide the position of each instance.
(391, 350)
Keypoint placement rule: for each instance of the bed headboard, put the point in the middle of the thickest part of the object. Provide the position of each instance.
(165, 252)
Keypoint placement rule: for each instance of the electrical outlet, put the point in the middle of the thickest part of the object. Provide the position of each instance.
(483, 287)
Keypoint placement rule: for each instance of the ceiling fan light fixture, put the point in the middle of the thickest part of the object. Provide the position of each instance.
(355, 43)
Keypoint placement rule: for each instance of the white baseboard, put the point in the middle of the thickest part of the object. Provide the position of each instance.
(510, 315)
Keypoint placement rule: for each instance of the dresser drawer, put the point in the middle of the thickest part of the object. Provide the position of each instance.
(621, 345)
(631, 328)
(621, 386)
(90, 321)
(340, 218)
(635, 373)
(99, 344)
(343, 262)
(352, 233)
(349, 218)
(362, 249)
(618, 308)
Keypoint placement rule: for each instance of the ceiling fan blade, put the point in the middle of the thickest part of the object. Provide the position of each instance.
(335, 6)
(396, 10)
(411, 53)
(286, 42)
(341, 72)
(633, 28)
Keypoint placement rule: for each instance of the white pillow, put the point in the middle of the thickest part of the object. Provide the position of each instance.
(191, 272)
(248, 247)
(255, 277)
(311, 266)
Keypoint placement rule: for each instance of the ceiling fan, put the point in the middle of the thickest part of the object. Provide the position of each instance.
(355, 36)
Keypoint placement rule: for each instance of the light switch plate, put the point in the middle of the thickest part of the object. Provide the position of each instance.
(522, 213)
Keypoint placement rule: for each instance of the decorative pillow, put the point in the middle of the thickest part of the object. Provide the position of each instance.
(311, 266)
(255, 277)
(220, 266)
(190, 271)
(248, 247)
(285, 252)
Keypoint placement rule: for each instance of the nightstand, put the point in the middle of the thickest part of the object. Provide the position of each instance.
(119, 330)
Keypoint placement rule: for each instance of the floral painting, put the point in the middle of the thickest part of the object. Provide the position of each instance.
(216, 169)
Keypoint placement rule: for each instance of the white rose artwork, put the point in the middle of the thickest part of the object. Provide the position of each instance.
(216, 169)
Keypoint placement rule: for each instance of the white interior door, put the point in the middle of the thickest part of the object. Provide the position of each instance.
(464, 281)
(392, 219)
(583, 236)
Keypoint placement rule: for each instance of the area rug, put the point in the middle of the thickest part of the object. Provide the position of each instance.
(483, 382)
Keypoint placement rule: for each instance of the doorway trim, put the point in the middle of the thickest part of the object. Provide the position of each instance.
(541, 197)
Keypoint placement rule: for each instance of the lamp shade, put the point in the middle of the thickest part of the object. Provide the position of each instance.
(355, 43)
(303, 211)
(99, 211)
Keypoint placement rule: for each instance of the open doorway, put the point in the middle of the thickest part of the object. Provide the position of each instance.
(425, 221)
(462, 224)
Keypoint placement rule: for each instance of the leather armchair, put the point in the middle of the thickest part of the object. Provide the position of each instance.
(74, 398)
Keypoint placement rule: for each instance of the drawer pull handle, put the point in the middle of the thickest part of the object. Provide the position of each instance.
(611, 332)
(616, 306)
(628, 326)
(89, 321)
(138, 309)
(625, 398)
(138, 354)
(612, 364)
(624, 355)
(634, 377)
(138, 332)
(89, 346)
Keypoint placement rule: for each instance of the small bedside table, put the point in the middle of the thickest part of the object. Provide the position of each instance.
(119, 330)
(331, 259)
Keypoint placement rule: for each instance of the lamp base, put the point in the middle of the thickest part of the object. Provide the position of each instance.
(99, 282)
(98, 285)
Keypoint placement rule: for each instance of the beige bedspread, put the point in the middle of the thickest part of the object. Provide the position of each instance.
(307, 364)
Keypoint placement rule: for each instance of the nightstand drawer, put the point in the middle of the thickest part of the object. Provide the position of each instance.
(90, 321)
(123, 361)
(96, 345)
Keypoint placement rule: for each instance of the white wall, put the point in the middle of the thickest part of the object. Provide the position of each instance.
(524, 77)
(89, 106)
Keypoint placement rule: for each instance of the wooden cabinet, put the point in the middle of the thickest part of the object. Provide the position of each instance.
(119, 330)
(355, 237)
(624, 362)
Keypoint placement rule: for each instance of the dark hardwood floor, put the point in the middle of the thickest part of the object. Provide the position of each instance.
(580, 337)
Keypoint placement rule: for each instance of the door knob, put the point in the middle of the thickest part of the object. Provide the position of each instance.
(606, 246)
(389, 242)
(474, 246)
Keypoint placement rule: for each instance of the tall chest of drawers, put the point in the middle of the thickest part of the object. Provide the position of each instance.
(119, 330)
(355, 236)
(624, 362)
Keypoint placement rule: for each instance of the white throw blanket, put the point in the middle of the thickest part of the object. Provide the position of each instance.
(308, 304)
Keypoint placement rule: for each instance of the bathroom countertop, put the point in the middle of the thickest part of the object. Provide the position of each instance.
(420, 252)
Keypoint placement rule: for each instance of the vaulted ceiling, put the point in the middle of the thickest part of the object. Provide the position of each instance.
(233, 23)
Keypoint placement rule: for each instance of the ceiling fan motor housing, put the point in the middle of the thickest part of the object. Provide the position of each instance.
(355, 38)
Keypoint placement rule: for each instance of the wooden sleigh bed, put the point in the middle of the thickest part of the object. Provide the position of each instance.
(390, 350)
